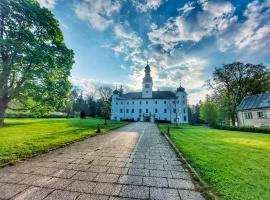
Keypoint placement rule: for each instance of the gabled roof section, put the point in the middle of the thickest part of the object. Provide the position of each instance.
(155, 95)
(255, 102)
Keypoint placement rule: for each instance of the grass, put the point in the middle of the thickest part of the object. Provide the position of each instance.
(236, 165)
(22, 138)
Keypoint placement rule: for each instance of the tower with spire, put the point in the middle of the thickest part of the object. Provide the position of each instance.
(147, 84)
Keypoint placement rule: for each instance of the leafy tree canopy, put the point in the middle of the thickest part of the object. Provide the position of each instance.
(34, 61)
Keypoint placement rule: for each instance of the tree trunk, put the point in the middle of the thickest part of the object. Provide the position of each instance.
(3, 107)
(233, 119)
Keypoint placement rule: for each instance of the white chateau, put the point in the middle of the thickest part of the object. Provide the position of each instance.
(150, 105)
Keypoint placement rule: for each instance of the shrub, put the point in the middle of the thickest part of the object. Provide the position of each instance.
(244, 128)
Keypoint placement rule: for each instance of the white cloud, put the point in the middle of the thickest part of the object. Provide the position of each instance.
(50, 4)
(214, 19)
(145, 5)
(254, 33)
(98, 13)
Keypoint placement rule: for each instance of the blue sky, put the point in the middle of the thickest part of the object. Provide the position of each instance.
(184, 40)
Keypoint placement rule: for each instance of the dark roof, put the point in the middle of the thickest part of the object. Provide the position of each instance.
(115, 91)
(255, 102)
(180, 89)
(155, 95)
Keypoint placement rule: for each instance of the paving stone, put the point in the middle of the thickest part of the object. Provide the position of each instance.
(100, 162)
(116, 164)
(181, 175)
(35, 180)
(9, 190)
(108, 158)
(138, 160)
(190, 195)
(107, 189)
(45, 171)
(78, 167)
(135, 165)
(121, 198)
(164, 194)
(81, 186)
(13, 177)
(89, 176)
(107, 178)
(154, 166)
(138, 172)
(98, 169)
(155, 182)
(132, 191)
(174, 167)
(158, 161)
(33, 193)
(117, 170)
(56, 183)
(62, 195)
(92, 197)
(180, 183)
(161, 173)
(64, 173)
(130, 180)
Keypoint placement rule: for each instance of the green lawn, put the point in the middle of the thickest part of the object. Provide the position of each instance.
(21, 138)
(236, 165)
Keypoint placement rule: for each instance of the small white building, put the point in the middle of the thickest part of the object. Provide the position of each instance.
(254, 110)
(150, 105)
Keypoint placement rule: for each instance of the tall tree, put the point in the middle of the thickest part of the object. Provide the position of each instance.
(232, 82)
(34, 61)
(105, 94)
(209, 113)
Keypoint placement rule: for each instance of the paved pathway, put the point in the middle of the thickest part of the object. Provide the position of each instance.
(133, 162)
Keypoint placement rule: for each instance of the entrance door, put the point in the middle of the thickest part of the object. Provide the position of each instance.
(147, 118)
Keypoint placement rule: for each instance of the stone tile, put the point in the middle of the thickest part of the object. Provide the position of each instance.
(56, 183)
(190, 195)
(107, 189)
(154, 166)
(64, 173)
(107, 178)
(158, 161)
(92, 197)
(78, 167)
(81, 186)
(164, 194)
(135, 165)
(45, 171)
(160, 173)
(138, 160)
(130, 180)
(35, 180)
(98, 169)
(117, 170)
(155, 182)
(116, 164)
(100, 162)
(180, 183)
(138, 172)
(89, 176)
(132, 191)
(174, 167)
(13, 177)
(121, 198)
(62, 195)
(181, 175)
(107, 158)
(33, 193)
(9, 190)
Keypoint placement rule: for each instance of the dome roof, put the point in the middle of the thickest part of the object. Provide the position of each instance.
(115, 91)
(180, 89)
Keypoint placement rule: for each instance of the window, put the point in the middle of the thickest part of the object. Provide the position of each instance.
(184, 110)
(155, 102)
(132, 102)
(173, 102)
(132, 111)
(183, 102)
(146, 91)
(140, 110)
(165, 110)
(185, 118)
(156, 110)
(121, 110)
(122, 102)
(127, 102)
(174, 110)
(178, 101)
(127, 110)
(165, 102)
(183, 97)
(146, 110)
(248, 115)
(147, 86)
(140, 102)
(146, 102)
(262, 115)
(116, 103)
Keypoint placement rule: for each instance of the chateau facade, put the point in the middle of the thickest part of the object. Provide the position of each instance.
(150, 105)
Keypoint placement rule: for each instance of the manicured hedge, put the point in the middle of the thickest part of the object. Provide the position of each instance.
(244, 128)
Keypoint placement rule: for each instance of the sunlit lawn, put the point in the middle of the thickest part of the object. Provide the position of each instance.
(21, 138)
(236, 165)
